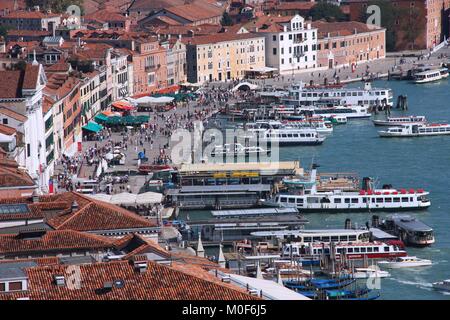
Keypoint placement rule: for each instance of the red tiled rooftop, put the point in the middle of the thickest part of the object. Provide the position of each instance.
(30, 15)
(196, 11)
(56, 240)
(12, 114)
(219, 37)
(159, 282)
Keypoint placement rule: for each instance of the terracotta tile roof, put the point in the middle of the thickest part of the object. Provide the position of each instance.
(7, 130)
(203, 29)
(94, 215)
(30, 15)
(168, 20)
(31, 76)
(11, 84)
(345, 28)
(159, 282)
(47, 261)
(219, 37)
(11, 176)
(47, 104)
(51, 241)
(153, 5)
(196, 11)
(92, 51)
(105, 15)
(268, 23)
(31, 33)
(12, 114)
(295, 5)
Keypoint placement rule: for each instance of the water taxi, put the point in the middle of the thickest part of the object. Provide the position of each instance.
(310, 199)
(431, 75)
(405, 262)
(442, 285)
(398, 121)
(370, 272)
(416, 130)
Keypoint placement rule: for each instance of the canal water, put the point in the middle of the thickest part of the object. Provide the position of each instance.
(405, 163)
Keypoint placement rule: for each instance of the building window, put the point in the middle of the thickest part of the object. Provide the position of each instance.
(5, 121)
(15, 286)
(281, 38)
(274, 51)
(274, 38)
(28, 150)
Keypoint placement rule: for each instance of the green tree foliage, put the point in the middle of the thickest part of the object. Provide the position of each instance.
(226, 19)
(327, 11)
(389, 14)
(55, 5)
(3, 31)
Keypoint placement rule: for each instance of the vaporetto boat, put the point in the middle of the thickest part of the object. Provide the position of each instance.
(309, 199)
(399, 121)
(300, 95)
(431, 75)
(416, 130)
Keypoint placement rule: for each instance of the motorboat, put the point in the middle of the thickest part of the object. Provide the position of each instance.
(370, 272)
(442, 285)
(405, 262)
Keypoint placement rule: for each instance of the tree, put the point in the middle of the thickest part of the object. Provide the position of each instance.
(226, 19)
(327, 11)
(58, 6)
(3, 31)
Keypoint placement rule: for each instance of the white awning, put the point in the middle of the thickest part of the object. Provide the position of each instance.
(152, 100)
(149, 198)
(251, 86)
(101, 197)
(124, 198)
(262, 69)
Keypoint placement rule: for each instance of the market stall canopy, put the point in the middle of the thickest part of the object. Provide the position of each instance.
(149, 198)
(93, 127)
(101, 118)
(153, 100)
(124, 198)
(129, 199)
(123, 105)
(188, 84)
(101, 197)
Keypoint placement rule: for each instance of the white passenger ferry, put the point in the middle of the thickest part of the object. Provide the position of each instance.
(299, 113)
(431, 75)
(398, 121)
(352, 250)
(416, 130)
(276, 132)
(316, 235)
(309, 199)
(299, 95)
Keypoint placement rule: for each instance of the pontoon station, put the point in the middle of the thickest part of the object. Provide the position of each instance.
(229, 185)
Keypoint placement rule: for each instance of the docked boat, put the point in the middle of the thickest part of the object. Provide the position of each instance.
(442, 285)
(276, 132)
(237, 149)
(318, 124)
(405, 262)
(370, 272)
(298, 113)
(300, 95)
(416, 130)
(309, 199)
(409, 230)
(398, 121)
(336, 119)
(351, 250)
(431, 75)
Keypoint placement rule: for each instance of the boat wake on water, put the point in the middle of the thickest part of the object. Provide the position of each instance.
(420, 283)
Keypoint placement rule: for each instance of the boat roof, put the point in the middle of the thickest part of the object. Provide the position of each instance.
(380, 234)
(308, 232)
(262, 211)
(409, 223)
(248, 166)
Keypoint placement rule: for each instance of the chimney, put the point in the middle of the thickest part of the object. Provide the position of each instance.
(200, 250)
(74, 206)
(59, 280)
(35, 197)
(140, 266)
